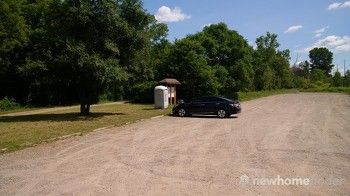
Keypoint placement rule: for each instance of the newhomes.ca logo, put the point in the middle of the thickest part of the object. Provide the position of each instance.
(276, 181)
(245, 180)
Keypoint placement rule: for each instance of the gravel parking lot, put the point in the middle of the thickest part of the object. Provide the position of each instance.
(305, 135)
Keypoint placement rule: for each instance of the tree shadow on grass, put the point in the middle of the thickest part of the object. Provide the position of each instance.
(56, 117)
(153, 109)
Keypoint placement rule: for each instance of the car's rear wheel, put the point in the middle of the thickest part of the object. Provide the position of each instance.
(181, 112)
(222, 113)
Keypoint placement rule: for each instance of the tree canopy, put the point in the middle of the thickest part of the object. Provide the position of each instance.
(55, 52)
(271, 65)
(71, 51)
(321, 58)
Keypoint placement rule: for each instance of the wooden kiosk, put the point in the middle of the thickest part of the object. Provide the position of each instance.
(170, 83)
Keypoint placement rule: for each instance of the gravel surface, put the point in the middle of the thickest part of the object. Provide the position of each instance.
(282, 137)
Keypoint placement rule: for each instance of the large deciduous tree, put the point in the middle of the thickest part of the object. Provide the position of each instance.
(270, 64)
(215, 61)
(227, 48)
(187, 64)
(99, 41)
(63, 52)
(14, 36)
(321, 58)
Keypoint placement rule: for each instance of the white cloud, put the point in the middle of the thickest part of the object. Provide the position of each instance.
(206, 25)
(298, 62)
(339, 5)
(321, 30)
(317, 35)
(293, 29)
(318, 32)
(252, 44)
(334, 6)
(332, 42)
(346, 4)
(166, 14)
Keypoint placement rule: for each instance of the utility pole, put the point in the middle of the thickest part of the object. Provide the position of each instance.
(344, 67)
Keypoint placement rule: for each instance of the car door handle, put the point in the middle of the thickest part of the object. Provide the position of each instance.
(202, 104)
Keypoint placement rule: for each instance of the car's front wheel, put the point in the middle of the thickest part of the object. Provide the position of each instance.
(222, 113)
(181, 112)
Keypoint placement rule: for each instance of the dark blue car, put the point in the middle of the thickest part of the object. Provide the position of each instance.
(219, 106)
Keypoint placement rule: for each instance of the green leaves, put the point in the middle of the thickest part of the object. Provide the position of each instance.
(216, 61)
(321, 58)
(62, 52)
(13, 27)
(79, 48)
(271, 65)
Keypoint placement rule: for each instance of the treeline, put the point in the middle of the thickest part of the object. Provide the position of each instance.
(317, 73)
(58, 52)
(68, 51)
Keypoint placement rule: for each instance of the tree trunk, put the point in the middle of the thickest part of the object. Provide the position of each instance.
(84, 109)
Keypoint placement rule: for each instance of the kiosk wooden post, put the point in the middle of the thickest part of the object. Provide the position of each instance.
(171, 84)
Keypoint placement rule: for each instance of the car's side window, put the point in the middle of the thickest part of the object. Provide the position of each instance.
(214, 99)
(210, 99)
(206, 99)
(198, 100)
(195, 100)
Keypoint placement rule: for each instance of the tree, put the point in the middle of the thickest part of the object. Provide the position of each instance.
(188, 65)
(14, 36)
(64, 52)
(321, 58)
(337, 79)
(306, 68)
(318, 75)
(227, 48)
(93, 45)
(215, 61)
(347, 78)
(271, 66)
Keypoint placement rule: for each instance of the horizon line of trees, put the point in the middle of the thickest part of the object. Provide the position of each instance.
(55, 52)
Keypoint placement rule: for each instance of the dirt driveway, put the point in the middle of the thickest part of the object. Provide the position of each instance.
(282, 137)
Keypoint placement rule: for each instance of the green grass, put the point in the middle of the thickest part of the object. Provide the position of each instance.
(246, 96)
(32, 108)
(19, 109)
(345, 90)
(22, 131)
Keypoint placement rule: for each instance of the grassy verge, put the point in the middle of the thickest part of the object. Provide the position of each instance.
(345, 90)
(246, 96)
(33, 108)
(19, 109)
(22, 131)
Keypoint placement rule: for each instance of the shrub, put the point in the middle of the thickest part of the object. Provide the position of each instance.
(301, 82)
(143, 92)
(320, 84)
(8, 104)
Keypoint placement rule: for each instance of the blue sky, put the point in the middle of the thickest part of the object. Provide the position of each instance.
(310, 23)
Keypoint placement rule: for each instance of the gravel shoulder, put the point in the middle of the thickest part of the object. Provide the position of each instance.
(304, 135)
